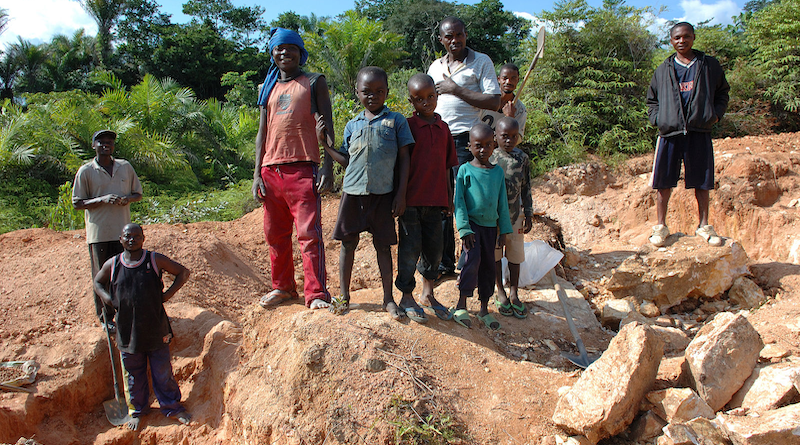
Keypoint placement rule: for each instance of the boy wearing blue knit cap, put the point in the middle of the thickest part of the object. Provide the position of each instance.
(287, 178)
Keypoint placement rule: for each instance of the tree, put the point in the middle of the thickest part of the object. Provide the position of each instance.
(139, 33)
(9, 71)
(416, 20)
(197, 55)
(105, 13)
(70, 61)
(775, 33)
(348, 44)
(493, 31)
(3, 20)
(236, 23)
(590, 93)
(30, 60)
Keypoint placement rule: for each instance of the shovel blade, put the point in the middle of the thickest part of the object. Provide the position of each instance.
(116, 412)
(582, 362)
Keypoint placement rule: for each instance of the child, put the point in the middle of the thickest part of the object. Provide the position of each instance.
(376, 142)
(143, 331)
(516, 166)
(508, 78)
(287, 179)
(481, 206)
(429, 194)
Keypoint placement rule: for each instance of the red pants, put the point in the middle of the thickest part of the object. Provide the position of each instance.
(292, 198)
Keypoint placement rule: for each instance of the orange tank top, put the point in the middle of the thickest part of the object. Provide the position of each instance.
(291, 128)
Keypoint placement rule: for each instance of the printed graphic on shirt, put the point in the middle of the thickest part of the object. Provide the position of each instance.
(687, 86)
(284, 100)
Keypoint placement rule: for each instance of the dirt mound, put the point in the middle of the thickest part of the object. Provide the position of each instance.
(294, 376)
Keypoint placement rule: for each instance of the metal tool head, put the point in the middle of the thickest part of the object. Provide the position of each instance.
(116, 412)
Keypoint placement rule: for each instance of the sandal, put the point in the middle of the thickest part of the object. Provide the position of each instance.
(415, 314)
(275, 298)
(505, 309)
(519, 311)
(461, 316)
(490, 322)
(440, 311)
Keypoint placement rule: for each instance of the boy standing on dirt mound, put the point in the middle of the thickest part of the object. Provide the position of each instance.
(286, 179)
(375, 145)
(429, 196)
(481, 214)
(517, 168)
(136, 291)
(687, 96)
(104, 188)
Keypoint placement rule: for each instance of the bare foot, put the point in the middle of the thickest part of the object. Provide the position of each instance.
(393, 310)
(319, 304)
(133, 424)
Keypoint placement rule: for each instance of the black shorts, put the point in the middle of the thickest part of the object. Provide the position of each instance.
(696, 152)
(366, 213)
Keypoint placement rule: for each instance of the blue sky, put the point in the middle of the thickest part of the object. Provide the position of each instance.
(40, 20)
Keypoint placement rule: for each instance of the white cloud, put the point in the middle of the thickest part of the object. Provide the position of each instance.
(40, 20)
(720, 12)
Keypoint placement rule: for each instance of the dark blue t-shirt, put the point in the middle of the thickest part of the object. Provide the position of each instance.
(686, 75)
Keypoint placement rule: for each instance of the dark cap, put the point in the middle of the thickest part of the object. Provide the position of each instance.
(99, 133)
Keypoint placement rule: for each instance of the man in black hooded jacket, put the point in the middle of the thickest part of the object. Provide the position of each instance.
(687, 96)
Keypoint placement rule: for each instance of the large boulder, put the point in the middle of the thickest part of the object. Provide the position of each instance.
(721, 357)
(604, 401)
(687, 268)
(679, 405)
(776, 427)
(768, 388)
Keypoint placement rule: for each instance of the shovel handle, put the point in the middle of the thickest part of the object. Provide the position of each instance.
(117, 393)
(562, 298)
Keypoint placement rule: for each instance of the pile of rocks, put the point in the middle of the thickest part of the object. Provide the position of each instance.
(655, 386)
(713, 393)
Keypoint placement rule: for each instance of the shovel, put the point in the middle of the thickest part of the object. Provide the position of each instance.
(539, 53)
(583, 361)
(117, 408)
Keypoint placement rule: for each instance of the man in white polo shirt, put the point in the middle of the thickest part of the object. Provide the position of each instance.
(104, 188)
(467, 84)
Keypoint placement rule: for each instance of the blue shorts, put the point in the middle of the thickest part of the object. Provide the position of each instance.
(697, 154)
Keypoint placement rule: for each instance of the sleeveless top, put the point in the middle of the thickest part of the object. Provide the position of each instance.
(137, 293)
(291, 127)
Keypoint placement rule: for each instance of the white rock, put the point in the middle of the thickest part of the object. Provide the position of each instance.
(721, 357)
(776, 427)
(745, 293)
(677, 405)
(614, 311)
(768, 388)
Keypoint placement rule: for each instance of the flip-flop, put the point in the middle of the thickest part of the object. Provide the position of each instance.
(275, 298)
(415, 314)
(520, 311)
(505, 309)
(461, 316)
(490, 321)
(394, 311)
(440, 311)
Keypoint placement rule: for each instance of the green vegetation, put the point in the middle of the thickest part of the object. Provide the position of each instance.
(413, 427)
(181, 96)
